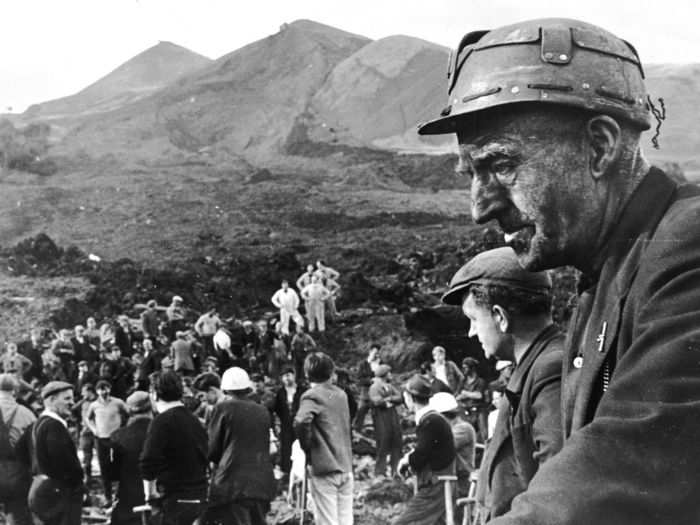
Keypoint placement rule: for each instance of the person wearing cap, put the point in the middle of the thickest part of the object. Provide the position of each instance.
(173, 462)
(509, 311)
(474, 396)
(433, 456)
(445, 370)
(242, 484)
(16, 419)
(287, 301)
(549, 116)
(387, 428)
(56, 494)
(150, 320)
(464, 438)
(322, 426)
(105, 415)
(127, 445)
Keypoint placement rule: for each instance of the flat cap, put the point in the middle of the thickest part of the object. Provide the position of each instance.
(382, 371)
(498, 266)
(139, 402)
(203, 382)
(419, 386)
(54, 387)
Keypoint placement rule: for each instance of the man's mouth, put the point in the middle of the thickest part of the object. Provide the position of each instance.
(519, 239)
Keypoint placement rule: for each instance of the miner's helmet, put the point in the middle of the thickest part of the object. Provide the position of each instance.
(550, 61)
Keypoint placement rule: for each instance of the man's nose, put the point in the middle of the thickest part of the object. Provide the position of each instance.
(487, 198)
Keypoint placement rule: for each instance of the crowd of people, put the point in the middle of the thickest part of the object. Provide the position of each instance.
(241, 392)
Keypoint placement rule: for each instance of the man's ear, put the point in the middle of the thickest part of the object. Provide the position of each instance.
(604, 138)
(501, 317)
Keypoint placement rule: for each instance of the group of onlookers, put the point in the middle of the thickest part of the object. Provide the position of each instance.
(318, 288)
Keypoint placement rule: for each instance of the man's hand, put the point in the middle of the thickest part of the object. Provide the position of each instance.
(404, 468)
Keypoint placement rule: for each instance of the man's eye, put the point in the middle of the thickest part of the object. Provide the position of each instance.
(504, 171)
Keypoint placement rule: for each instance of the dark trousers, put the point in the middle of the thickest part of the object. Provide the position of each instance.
(72, 512)
(239, 512)
(104, 458)
(87, 445)
(427, 507)
(387, 431)
(174, 511)
(286, 440)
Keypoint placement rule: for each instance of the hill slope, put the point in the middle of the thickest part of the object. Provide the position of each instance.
(145, 73)
(245, 102)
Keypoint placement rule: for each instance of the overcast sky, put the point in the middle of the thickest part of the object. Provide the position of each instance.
(53, 48)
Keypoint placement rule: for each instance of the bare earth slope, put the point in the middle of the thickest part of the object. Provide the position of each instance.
(147, 72)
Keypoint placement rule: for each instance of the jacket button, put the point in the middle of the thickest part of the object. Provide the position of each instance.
(578, 362)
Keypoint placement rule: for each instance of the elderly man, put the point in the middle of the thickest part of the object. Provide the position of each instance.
(549, 116)
(509, 312)
(57, 490)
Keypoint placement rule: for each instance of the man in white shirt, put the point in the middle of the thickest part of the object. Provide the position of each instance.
(287, 301)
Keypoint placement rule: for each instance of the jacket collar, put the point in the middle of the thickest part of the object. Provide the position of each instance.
(640, 215)
(517, 380)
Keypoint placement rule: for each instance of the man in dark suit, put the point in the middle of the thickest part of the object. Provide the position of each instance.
(127, 444)
(509, 312)
(32, 349)
(50, 450)
(285, 407)
(549, 116)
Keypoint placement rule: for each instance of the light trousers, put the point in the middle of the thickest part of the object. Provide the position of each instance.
(332, 497)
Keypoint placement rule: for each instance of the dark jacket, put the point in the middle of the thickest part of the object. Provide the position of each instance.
(631, 421)
(53, 454)
(124, 339)
(528, 428)
(175, 454)
(434, 454)
(33, 353)
(127, 444)
(239, 446)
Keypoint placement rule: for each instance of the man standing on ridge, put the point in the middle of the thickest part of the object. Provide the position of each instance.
(549, 116)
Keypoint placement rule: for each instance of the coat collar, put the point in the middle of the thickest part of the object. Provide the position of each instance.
(640, 215)
(517, 380)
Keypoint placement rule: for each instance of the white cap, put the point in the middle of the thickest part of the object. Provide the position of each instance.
(443, 402)
(221, 340)
(235, 378)
(501, 365)
(177, 298)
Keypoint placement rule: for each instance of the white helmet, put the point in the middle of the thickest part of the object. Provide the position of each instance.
(443, 402)
(222, 341)
(235, 378)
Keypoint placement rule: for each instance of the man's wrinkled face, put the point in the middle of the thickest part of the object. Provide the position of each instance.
(62, 403)
(483, 325)
(527, 172)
